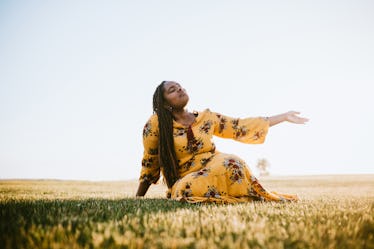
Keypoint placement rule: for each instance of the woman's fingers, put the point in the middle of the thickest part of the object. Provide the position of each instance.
(296, 119)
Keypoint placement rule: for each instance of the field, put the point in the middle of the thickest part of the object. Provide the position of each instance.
(335, 212)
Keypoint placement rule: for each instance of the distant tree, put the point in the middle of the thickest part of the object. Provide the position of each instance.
(263, 166)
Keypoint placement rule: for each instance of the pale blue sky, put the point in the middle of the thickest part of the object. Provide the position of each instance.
(77, 78)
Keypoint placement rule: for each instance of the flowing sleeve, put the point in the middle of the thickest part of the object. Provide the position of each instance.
(150, 171)
(250, 130)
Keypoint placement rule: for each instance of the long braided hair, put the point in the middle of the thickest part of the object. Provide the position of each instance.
(167, 157)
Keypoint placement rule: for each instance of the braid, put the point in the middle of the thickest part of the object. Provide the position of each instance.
(167, 157)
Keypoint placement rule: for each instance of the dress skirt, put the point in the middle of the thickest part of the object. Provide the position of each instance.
(225, 179)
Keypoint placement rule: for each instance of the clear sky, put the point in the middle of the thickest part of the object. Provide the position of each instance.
(77, 79)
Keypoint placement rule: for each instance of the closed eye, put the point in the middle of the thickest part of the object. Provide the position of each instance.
(174, 87)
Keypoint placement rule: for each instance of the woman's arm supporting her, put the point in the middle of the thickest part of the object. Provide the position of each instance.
(143, 188)
(291, 116)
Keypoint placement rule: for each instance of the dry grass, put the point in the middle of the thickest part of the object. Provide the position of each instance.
(335, 212)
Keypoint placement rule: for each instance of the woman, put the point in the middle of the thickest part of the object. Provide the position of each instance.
(179, 144)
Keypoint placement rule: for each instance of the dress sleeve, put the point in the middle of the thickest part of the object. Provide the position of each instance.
(150, 171)
(250, 130)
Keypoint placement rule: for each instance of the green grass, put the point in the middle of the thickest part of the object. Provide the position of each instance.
(335, 212)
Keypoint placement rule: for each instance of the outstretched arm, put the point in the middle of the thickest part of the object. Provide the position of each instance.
(291, 116)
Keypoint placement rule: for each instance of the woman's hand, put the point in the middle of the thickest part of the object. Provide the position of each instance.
(142, 189)
(293, 117)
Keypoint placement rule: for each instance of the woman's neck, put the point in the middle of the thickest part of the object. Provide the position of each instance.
(183, 117)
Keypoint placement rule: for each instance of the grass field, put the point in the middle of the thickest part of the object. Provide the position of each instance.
(335, 212)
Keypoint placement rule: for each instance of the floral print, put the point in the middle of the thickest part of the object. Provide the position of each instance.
(236, 169)
(179, 132)
(153, 151)
(189, 164)
(207, 175)
(206, 126)
(257, 135)
(147, 162)
(239, 131)
(222, 123)
(255, 196)
(187, 191)
(194, 146)
(204, 161)
(203, 172)
(147, 129)
(148, 178)
(212, 192)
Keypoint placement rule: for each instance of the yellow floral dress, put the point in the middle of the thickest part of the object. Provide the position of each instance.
(207, 175)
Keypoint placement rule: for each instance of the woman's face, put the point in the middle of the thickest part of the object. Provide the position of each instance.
(175, 95)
